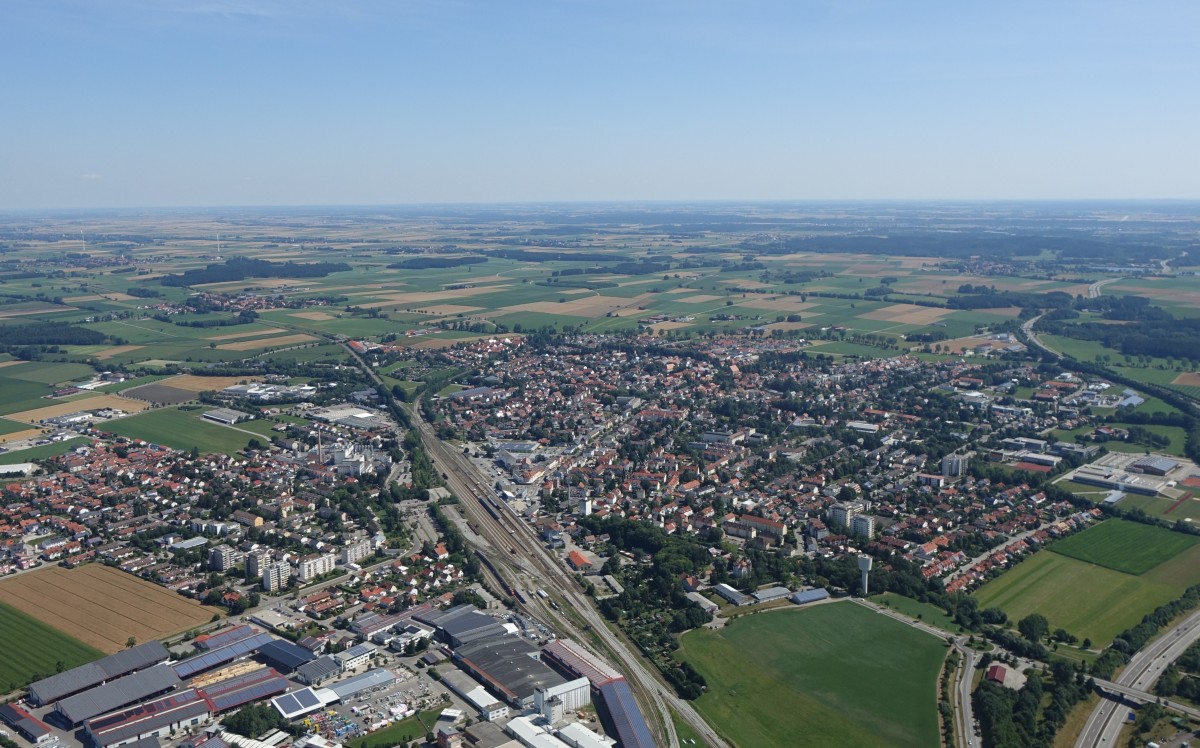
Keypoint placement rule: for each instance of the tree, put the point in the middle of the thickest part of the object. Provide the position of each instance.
(131, 642)
(1034, 627)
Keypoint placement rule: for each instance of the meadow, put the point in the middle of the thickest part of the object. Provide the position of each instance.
(181, 429)
(34, 649)
(1124, 546)
(837, 674)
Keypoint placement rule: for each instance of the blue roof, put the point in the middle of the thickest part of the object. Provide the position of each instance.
(226, 637)
(632, 730)
(287, 655)
(214, 657)
(245, 689)
(810, 596)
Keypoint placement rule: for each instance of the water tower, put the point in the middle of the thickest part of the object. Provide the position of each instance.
(864, 566)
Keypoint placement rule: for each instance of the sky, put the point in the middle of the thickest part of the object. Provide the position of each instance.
(141, 103)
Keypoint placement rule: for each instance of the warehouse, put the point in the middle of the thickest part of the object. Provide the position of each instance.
(626, 720)
(810, 596)
(509, 667)
(244, 689)
(345, 690)
(475, 695)
(577, 662)
(179, 711)
(117, 694)
(318, 671)
(30, 727)
(49, 690)
(220, 655)
(285, 655)
(298, 703)
(464, 624)
(732, 595)
(708, 606)
(771, 593)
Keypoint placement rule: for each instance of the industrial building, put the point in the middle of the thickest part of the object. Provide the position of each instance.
(488, 706)
(351, 687)
(577, 662)
(628, 723)
(810, 596)
(221, 655)
(317, 671)
(116, 694)
(574, 694)
(509, 667)
(179, 711)
(49, 690)
(464, 624)
(28, 726)
(732, 595)
(708, 606)
(356, 656)
(243, 689)
(771, 593)
(285, 655)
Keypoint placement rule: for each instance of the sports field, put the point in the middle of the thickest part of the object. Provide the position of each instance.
(101, 606)
(33, 648)
(832, 675)
(1125, 546)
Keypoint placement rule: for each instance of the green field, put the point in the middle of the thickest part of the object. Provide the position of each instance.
(931, 614)
(1187, 510)
(181, 429)
(414, 728)
(1130, 547)
(33, 648)
(831, 675)
(46, 450)
(1087, 600)
(12, 427)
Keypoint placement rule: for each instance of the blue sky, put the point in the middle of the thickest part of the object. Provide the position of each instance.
(275, 102)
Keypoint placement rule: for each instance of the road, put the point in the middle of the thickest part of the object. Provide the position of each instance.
(969, 564)
(1031, 336)
(1104, 725)
(529, 558)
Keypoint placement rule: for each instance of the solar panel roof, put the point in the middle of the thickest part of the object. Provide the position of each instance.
(226, 637)
(631, 727)
(189, 667)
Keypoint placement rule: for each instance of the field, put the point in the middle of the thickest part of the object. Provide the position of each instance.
(85, 402)
(33, 648)
(101, 606)
(836, 674)
(931, 614)
(1087, 600)
(1125, 546)
(181, 429)
(45, 450)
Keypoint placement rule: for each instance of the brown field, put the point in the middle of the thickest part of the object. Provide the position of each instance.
(90, 403)
(5, 364)
(117, 350)
(791, 325)
(247, 345)
(17, 436)
(436, 343)
(101, 606)
(1188, 379)
(669, 325)
(592, 306)
(907, 314)
(1166, 294)
(315, 316)
(42, 309)
(247, 334)
(1001, 311)
(160, 394)
(958, 345)
(193, 383)
(777, 303)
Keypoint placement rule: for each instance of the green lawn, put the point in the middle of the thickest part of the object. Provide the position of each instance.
(413, 728)
(1125, 546)
(180, 429)
(832, 675)
(931, 614)
(46, 450)
(1187, 510)
(1087, 600)
(33, 648)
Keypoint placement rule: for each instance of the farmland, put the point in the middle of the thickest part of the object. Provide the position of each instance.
(1125, 546)
(101, 606)
(181, 429)
(836, 674)
(33, 648)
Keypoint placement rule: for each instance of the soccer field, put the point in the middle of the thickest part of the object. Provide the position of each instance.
(831, 675)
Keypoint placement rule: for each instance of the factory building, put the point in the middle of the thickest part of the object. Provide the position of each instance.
(49, 690)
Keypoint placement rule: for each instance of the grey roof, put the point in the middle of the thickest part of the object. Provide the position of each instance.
(318, 669)
(370, 679)
(146, 718)
(85, 676)
(118, 693)
(1153, 462)
(23, 722)
(287, 655)
(510, 664)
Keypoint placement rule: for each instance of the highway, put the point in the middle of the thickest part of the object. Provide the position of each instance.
(1104, 725)
(527, 558)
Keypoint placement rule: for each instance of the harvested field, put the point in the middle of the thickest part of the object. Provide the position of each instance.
(592, 306)
(791, 325)
(100, 605)
(958, 345)
(907, 314)
(247, 345)
(417, 297)
(1188, 379)
(194, 383)
(117, 350)
(445, 342)
(246, 334)
(669, 325)
(17, 436)
(91, 403)
(314, 316)
(6, 364)
(160, 394)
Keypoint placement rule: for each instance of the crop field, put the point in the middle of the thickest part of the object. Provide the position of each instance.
(1186, 508)
(33, 648)
(181, 429)
(1087, 600)
(101, 606)
(836, 674)
(1125, 546)
(91, 401)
